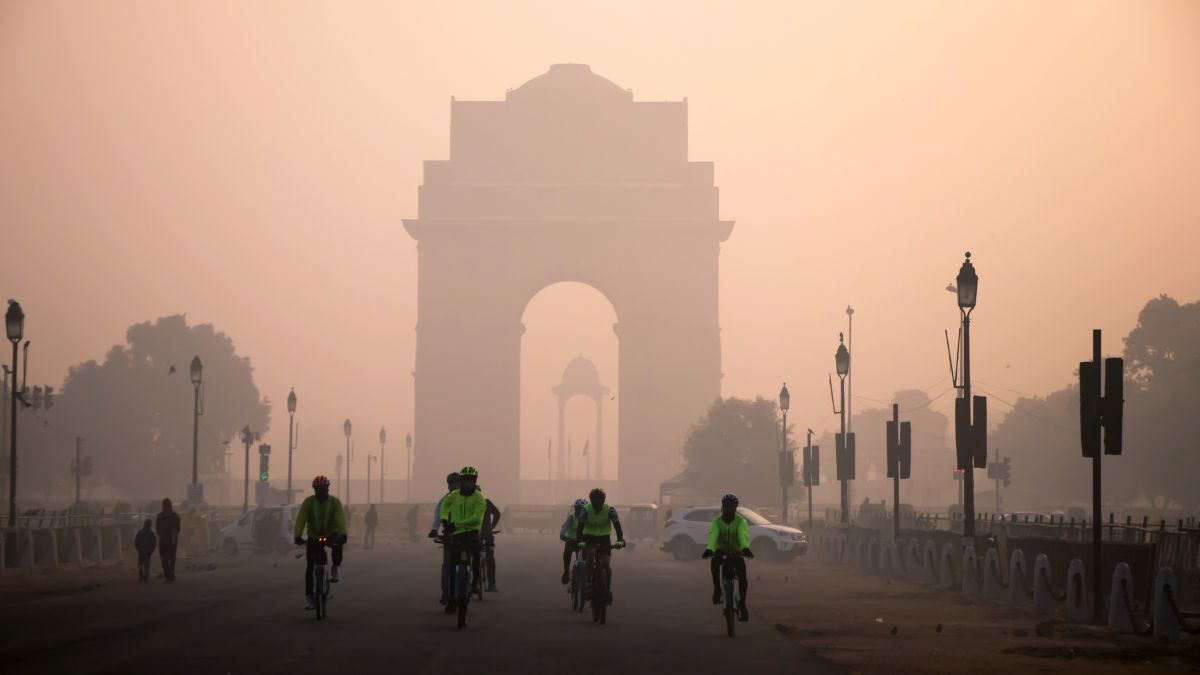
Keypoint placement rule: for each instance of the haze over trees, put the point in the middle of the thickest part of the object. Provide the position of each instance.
(735, 448)
(135, 414)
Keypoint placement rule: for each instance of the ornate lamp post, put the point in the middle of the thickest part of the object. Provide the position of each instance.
(786, 462)
(968, 292)
(14, 327)
(347, 428)
(291, 405)
(196, 493)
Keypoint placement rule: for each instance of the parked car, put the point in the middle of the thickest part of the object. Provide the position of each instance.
(685, 534)
(263, 529)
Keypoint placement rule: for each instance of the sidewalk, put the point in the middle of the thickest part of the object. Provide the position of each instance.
(870, 625)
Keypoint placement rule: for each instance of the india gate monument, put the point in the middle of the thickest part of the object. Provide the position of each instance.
(566, 179)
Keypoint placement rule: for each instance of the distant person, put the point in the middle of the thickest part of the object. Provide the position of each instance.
(166, 524)
(144, 543)
(371, 521)
(487, 533)
(452, 484)
(322, 515)
(728, 536)
(412, 516)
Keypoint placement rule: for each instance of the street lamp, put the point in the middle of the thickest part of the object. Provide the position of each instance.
(841, 361)
(786, 468)
(14, 327)
(248, 437)
(197, 374)
(347, 428)
(968, 292)
(382, 442)
(408, 467)
(291, 405)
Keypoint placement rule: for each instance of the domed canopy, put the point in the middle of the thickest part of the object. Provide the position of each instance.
(569, 80)
(580, 377)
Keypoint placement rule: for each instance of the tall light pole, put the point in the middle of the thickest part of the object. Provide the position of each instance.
(967, 283)
(14, 327)
(347, 428)
(291, 405)
(248, 437)
(196, 493)
(786, 468)
(382, 442)
(370, 460)
(408, 467)
(845, 459)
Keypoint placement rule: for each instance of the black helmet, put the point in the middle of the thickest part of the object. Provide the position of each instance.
(597, 492)
(729, 499)
(452, 477)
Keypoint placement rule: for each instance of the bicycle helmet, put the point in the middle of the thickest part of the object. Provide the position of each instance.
(729, 499)
(320, 481)
(468, 472)
(580, 503)
(452, 477)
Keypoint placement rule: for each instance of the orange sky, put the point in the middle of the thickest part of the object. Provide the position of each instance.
(249, 164)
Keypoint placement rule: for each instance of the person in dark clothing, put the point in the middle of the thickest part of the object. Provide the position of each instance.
(167, 526)
(145, 543)
(491, 522)
(371, 520)
(412, 516)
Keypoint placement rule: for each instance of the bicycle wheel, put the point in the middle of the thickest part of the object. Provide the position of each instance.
(599, 596)
(463, 584)
(730, 608)
(319, 590)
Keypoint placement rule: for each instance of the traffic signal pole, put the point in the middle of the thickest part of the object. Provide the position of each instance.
(1097, 543)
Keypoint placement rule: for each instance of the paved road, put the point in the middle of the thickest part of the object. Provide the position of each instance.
(245, 617)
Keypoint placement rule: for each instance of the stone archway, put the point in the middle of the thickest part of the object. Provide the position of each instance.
(567, 179)
(580, 378)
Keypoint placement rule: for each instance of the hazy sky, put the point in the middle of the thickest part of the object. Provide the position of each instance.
(249, 164)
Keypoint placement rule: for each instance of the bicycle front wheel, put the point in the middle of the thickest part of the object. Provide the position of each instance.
(730, 608)
(319, 591)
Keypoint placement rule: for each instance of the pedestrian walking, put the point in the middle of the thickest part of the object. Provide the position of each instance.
(167, 525)
(371, 520)
(145, 543)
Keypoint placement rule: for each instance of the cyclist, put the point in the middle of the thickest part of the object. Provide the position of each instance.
(487, 533)
(447, 554)
(729, 535)
(461, 518)
(596, 521)
(567, 534)
(322, 515)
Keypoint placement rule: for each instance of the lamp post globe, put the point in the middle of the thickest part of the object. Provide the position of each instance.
(842, 358)
(14, 321)
(346, 428)
(968, 285)
(382, 436)
(785, 399)
(197, 370)
(291, 402)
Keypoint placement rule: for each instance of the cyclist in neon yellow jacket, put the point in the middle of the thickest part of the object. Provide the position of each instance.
(461, 518)
(322, 515)
(567, 534)
(729, 536)
(595, 523)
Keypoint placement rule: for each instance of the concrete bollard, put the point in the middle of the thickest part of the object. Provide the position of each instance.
(25, 550)
(1077, 602)
(913, 563)
(971, 586)
(1018, 589)
(1043, 591)
(993, 583)
(75, 549)
(97, 546)
(1166, 627)
(1120, 602)
(929, 563)
(946, 567)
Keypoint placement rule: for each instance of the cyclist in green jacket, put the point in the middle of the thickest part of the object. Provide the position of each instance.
(461, 519)
(729, 536)
(596, 521)
(322, 515)
(567, 534)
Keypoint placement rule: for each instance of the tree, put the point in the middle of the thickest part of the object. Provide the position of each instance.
(135, 408)
(735, 448)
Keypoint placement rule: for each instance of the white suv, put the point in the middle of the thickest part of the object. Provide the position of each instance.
(263, 529)
(685, 534)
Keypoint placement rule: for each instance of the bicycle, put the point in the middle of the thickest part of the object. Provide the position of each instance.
(489, 560)
(320, 579)
(728, 589)
(580, 586)
(597, 573)
(464, 583)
